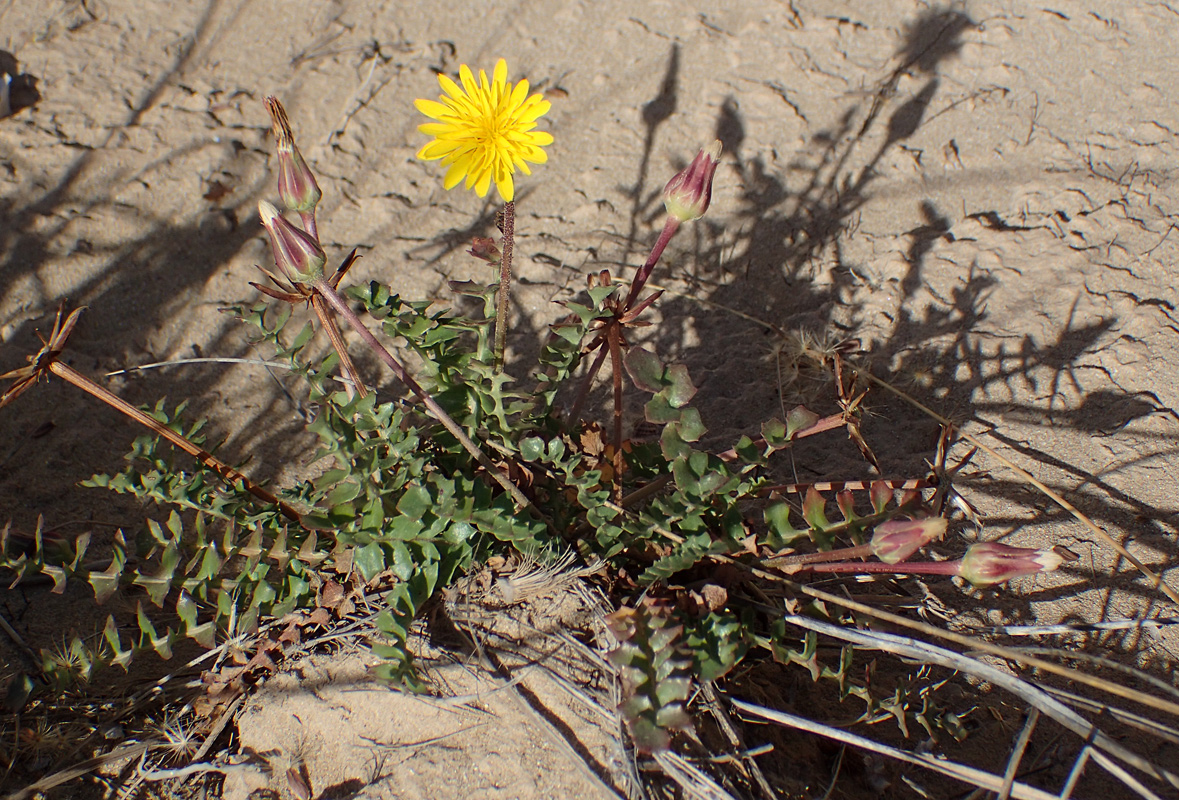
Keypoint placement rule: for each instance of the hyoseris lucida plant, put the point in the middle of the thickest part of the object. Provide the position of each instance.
(466, 465)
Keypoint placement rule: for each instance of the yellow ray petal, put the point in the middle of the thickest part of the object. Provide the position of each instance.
(449, 86)
(468, 80)
(506, 186)
(454, 175)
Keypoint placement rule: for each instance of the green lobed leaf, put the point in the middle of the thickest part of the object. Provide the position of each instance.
(369, 560)
(679, 389)
(644, 369)
(782, 532)
(799, 419)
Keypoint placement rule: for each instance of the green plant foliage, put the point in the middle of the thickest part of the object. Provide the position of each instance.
(717, 642)
(655, 671)
(399, 508)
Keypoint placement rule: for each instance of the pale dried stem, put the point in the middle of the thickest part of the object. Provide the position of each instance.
(69, 374)
(333, 331)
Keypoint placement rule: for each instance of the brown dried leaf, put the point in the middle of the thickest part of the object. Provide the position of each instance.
(291, 635)
(319, 617)
(715, 597)
(591, 440)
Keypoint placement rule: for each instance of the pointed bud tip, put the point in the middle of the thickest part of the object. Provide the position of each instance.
(297, 186)
(267, 212)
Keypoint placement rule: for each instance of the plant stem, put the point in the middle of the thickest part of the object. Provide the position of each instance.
(586, 383)
(614, 341)
(641, 277)
(503, 298)
(333, 331)
(636, 286)
(69, 374)
(842, 554)
(308, 219)
(322, 287)
(914, 568)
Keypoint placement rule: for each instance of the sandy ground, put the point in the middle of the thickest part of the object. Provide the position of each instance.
(983, 194)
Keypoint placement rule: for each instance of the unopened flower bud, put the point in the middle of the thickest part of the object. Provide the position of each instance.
(897, 539)
(689, 192)
(298, 257)
(989, 563)
(483, 247)
(297, 187)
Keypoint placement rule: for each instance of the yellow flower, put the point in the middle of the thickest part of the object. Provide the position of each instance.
(484, 130)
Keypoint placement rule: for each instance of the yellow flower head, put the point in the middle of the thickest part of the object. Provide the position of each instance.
(484, 130)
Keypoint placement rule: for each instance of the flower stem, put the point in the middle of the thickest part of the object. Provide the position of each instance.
(356, 386)
(641, 277)
(842, 554)
(586, 383)
(907, 568)
(325, 290)
(644, 273)
(308, 218)
(503, 298)
(614, 341)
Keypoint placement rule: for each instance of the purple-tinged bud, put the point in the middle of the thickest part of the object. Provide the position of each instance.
(298, 257)
(483, 248)
(897, 539)
(989, 563)
(689, 192)
(297, 187)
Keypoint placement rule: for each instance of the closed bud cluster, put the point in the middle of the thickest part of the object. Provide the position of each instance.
(483, 247)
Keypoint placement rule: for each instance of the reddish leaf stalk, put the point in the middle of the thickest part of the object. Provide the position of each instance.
(586, 382)
(905, 568)
(357, 386)
(800, 559)
(616, 359)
